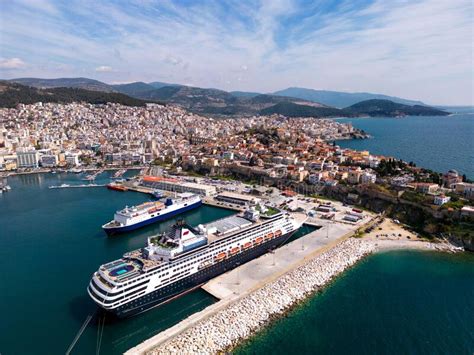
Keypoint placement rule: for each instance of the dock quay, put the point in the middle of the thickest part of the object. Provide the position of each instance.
(265, 287)
(142, 189)
(66, 186)
(212, 202)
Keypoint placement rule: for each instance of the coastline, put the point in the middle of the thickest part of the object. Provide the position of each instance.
(238, 321)
(390, 235)
(7, 174)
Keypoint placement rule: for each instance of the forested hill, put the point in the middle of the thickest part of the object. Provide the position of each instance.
(389, 108)
(12, 94)
(290, 109)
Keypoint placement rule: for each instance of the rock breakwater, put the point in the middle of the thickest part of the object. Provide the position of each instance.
(241, 319)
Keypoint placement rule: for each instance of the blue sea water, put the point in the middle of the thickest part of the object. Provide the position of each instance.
(439, 143)
(403, 302)
(51, 243)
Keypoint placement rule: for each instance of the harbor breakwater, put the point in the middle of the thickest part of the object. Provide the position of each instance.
(238, 321)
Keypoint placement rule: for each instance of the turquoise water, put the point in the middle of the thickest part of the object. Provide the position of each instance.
(51, 243)
(402, 302)
(438, 143)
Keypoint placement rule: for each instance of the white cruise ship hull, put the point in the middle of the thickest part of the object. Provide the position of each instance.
(164, 294)
(111, 229)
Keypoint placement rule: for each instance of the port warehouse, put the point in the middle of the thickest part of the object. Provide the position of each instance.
(175, 185)
(237, 199)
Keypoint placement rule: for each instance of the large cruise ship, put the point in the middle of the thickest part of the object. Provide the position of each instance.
(134, 217)
(185, 257)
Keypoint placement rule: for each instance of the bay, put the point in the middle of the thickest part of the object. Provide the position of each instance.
(439, 143)
(400, 302)
(51, 243)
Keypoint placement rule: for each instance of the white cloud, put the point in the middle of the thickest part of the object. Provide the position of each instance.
(415, 49)
(11, 63)
(104, 69)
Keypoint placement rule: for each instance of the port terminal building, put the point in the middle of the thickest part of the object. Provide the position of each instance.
(175, 185)
(237, 199)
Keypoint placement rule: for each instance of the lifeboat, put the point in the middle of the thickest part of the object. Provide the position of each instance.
(234, 251)
(258, 241)
(220, 256)
(278, 233)
(246, 245)
(156, 208)
(269, 236)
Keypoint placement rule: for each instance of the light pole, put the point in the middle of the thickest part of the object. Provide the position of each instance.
(302, 243)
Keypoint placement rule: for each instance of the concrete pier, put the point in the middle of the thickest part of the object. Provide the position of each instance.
(241, 283)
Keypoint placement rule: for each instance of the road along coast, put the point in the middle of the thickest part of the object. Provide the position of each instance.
(239, 320)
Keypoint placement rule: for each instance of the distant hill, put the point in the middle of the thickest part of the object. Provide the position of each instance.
(337, 98)
(291, 102)
(159, 84)
(213, 101)
(244, 94)
(290, 109)
(390, 108)
(11, 94)
(133, 89)
(80, 83)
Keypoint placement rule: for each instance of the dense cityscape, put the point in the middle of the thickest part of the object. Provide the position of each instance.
(275, 148)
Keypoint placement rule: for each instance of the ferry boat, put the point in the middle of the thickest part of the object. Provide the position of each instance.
(131, 218)
(116, 187)
(184, 258)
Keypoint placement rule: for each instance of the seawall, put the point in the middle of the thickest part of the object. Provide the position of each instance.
(241, 319)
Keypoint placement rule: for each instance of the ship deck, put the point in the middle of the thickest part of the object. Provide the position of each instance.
(223, 227)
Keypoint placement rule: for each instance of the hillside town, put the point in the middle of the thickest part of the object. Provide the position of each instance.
(271, 150)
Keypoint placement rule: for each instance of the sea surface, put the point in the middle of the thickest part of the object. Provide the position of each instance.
(51, 243)
(400, 302)
(439, 143)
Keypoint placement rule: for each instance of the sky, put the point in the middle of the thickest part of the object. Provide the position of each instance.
(417, 49)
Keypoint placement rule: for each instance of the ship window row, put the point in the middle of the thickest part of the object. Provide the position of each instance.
(128, 299)
(121, 291)
(169, 280)
(105, 301)
(104, 281)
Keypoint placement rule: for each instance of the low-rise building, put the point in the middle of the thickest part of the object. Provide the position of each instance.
(368, 178)
(354, 176)
(450, 178)
(72, 159)
(49, 160)
(167, 184)
(27, 158)
(465, 189)
(424, 187)
(441, 200)
(238, 199)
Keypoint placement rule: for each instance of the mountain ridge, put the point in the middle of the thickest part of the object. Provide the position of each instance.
(216, 102)
(339, 99)
(12, 94)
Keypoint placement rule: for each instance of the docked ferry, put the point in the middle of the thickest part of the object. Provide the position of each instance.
(185, 257)
(131, 218)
